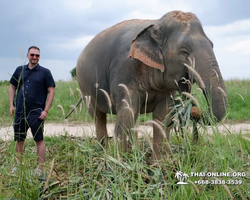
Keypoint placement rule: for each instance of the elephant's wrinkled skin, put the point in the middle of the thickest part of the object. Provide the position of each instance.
(147, 56)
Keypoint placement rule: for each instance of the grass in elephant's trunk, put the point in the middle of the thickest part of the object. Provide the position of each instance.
(185, 110)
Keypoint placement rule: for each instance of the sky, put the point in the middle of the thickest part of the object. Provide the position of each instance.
(62, 28)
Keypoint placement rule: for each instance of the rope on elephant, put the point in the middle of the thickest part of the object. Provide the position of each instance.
(79, 101)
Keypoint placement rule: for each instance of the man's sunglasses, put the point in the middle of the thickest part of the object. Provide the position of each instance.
(32, 55)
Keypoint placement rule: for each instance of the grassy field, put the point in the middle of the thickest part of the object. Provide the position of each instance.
(67, 95)
(80, 168)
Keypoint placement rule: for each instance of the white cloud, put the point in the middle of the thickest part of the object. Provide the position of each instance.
(232, 48)
(62, 28)
(76, 5)
(152, 9)
(75, 43)
(231, 38)
(242, 46)
(60, 69)
(238, 27)
(140, 15)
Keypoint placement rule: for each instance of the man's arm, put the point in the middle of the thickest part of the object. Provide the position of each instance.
(50, 97)
(51, 94)
(12, 91)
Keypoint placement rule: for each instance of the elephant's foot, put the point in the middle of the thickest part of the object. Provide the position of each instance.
(104, 141)
(160, 151)
(121, 141)
(133, 140)
(102, 137)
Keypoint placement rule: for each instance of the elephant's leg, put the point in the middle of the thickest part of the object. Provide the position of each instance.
(160, 132)
(123, 133)
(100, 123)
(125, 120)
(101, 127)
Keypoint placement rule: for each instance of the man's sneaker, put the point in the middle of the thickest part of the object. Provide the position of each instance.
(43, 177)
(38, 172)
(13, 171)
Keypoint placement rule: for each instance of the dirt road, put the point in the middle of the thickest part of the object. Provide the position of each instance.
(52, 129)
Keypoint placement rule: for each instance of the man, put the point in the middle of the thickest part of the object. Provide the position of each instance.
(35, 92)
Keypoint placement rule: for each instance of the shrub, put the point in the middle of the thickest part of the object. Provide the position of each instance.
(73, 72)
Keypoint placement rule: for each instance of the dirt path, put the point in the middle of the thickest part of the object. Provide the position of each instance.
(54, 129)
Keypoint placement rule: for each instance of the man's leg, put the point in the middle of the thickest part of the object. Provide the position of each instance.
(20, 132)
(40, 146)
(37, 127)
(20, 147)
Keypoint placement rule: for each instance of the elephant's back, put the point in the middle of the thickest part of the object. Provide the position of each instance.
(106, 52)
(112, 42)
(115, 39)
(128, 28)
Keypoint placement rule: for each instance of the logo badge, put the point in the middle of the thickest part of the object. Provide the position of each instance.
(181, 177)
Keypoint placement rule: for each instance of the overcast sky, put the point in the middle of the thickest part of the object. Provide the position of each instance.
(62, 28)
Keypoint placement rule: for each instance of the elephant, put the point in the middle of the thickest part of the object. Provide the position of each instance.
(136, 67)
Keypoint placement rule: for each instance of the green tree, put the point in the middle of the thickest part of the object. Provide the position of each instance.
(73, 72)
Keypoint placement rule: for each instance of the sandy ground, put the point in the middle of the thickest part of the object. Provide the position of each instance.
(53, 129)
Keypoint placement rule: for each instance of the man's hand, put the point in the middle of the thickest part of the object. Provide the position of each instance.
(12, 91)
(12, 109)
(43, 115)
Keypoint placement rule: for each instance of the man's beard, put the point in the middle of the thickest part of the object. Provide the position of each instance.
(34, 61)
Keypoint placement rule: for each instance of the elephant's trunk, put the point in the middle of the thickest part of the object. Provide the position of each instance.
(215, 90)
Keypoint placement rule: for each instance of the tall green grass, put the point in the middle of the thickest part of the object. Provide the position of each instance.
(83, 169)
(80, 168)
(238, 93)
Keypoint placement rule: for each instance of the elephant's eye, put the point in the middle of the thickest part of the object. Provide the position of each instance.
(184, 53)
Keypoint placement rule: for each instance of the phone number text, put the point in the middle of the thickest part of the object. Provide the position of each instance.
(219, 182)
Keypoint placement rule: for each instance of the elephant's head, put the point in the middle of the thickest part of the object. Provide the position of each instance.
(168, 43)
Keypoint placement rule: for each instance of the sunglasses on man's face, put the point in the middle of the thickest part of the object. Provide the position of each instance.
(33, 55)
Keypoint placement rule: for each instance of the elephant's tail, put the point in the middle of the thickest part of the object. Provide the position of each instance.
(79, 101)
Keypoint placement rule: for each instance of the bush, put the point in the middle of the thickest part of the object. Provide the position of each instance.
(73, 72)
(5, 82)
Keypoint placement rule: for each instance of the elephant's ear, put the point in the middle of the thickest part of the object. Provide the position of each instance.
(145, 48)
